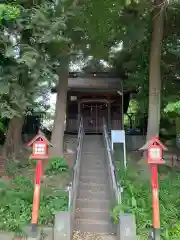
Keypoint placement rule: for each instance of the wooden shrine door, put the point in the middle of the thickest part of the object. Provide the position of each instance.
(93, 113)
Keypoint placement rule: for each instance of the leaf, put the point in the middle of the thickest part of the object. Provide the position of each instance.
(173, 107)
(10, 51)
(78, 29)
(4, 87)
(134, 203)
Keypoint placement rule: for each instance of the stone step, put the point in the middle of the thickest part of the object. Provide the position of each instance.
(93, 172)
(99, 153)
(94, 148)
(97, 176)
(92, 214)
(93, 158)
(93, 161)
(93, 186)
(93, 194)
(93, 169)
(86, 225)
(96, 204)
(93, 179)
(94, 154)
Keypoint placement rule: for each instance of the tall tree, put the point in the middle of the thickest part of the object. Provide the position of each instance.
(155, 69)
(24, 66)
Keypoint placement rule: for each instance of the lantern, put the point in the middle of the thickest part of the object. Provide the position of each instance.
(154, 149)
(155, 154)
(40, 147)
(39, 152)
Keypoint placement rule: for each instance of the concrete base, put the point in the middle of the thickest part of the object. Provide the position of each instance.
(62, 226)
(32, 235)
(127, 227)
(6, 236)
(47, 233)
(109, 237)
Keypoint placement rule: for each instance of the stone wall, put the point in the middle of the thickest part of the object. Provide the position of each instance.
(70, 144)
(134, 142)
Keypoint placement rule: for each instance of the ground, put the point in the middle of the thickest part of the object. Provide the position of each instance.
(92, 236)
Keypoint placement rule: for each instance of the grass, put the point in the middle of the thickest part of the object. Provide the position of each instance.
(137, 200)
(16, 193)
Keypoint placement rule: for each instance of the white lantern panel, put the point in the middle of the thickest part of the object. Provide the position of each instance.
(155, 153)
(40, 148)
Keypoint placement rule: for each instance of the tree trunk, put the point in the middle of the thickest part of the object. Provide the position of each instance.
(13, 142)
(155, 70)
(57, 138)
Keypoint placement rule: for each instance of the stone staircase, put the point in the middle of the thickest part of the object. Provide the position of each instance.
(93, 204)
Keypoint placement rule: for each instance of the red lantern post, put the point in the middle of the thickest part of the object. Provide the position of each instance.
(40, 152)
(154, 149)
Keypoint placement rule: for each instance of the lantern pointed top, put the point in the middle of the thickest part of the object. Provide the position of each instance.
(152, 141)
(40, 135)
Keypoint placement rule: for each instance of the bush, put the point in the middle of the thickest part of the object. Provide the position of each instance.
(16, 198)
(137, 200)
(56, 165)
(14, 167)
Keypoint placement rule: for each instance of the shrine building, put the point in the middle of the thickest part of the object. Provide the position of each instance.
(93, 96)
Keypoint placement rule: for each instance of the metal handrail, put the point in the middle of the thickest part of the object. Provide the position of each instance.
(113, 173)
(74, 184)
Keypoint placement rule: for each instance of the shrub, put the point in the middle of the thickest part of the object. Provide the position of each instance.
(137, 200)
(16, 198)
(13, 167)
(56, 165)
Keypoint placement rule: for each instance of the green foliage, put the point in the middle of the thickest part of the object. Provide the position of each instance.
(173, 107)
(16, 204)
(133, 59)
(137, 200)
(32, 162)
(8, 12)
(2, 127)
(11, 168)
(14, 167)
(56, 165)
(133, 106)
(26, 72)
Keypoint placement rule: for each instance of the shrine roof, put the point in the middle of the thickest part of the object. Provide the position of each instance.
(93, 81)
(92, 75)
